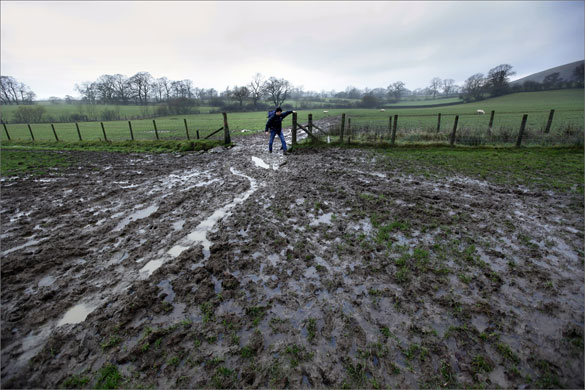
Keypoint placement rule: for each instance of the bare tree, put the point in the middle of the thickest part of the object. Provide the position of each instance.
(141, 85)
(14, 92)
(396, 90)
(88, 91)
(121, 88)
(240, 93)
(256, 88)
(435, 86)
(448, 86)
(498, 79)
(278, 90)
(474, 87)
(106, 88)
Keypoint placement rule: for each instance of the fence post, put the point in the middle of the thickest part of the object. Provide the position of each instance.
(310, 124)
(294, 129)
(31, 133)
(521, 133)
(131, 132)
(439, 122)
(78, 132)
(348, 131)
(186, 128)
(197, 133)
(549, 123)
(226, 129)
(104, 131)
(393, 140)
(6, 130)
(452, 141)
(155, 129)
(54, 132)
(342, 127)
(490, 126)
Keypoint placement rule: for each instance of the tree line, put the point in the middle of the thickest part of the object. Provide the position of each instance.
(162, 96)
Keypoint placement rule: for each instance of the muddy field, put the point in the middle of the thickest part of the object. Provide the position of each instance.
(324, 268)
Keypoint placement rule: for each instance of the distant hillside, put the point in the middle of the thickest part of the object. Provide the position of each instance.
(565, 72)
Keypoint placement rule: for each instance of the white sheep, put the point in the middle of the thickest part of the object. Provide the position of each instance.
(382, 110)
(480, 112)
(325, 112)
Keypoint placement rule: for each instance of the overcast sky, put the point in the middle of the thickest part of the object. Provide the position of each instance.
(51, 46)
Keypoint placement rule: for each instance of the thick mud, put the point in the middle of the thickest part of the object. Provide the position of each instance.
(329, 268)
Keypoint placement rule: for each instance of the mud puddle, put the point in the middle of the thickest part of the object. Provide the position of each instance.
(336, 270)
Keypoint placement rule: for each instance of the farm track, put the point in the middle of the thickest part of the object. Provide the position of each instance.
(322, 268)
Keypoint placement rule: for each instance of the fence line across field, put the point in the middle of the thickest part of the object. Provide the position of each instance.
(140, 130)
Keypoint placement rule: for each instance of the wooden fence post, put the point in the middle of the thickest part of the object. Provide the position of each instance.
(439, 122)
(6, 130)
(393, 140)
(104, 131)
(155, 129)
(452, 141)
(310, 124)
(54, 132)
(31, 133)
(197, 133)
(549, 123)
(348, 131)
(131, 132)
(186, 128)
(78, 132)
(226, 129)
(294, 129)
(521, 132)
(491, 124)
(342, 127)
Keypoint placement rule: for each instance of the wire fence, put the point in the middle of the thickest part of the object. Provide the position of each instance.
(532, 128)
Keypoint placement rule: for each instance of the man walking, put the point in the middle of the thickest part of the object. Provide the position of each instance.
(274, 125)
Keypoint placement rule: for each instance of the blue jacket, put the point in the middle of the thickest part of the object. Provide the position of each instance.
(275, 122)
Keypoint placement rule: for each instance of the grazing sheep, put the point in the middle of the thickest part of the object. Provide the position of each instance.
(382, 110)
(480, 112)
(325, 112)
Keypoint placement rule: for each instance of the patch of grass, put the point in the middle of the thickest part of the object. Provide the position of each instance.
(207, 310)
(554, 168)
(116, 146)
(112, 341)
(481, 364)
(548, 379)
(297, 354)
(505, 350)
(108, 377)
(312, 328)
(223, 378)
(247, 352)
(174, 361)
(257, 313)
(31, 162)
(75, 382)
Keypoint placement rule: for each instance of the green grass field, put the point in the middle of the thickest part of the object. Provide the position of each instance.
(569, 106)
(422, 102)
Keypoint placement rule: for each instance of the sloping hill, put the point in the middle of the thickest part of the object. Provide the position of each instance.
(565, 72)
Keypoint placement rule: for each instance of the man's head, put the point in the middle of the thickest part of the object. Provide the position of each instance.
(278, 111)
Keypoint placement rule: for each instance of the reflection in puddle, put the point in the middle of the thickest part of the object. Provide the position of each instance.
(76, 314)
(46, 281)
(199, 235)
(167, 288)
(140, 214)
(325, 218)
(151, 266)
(260, 163)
